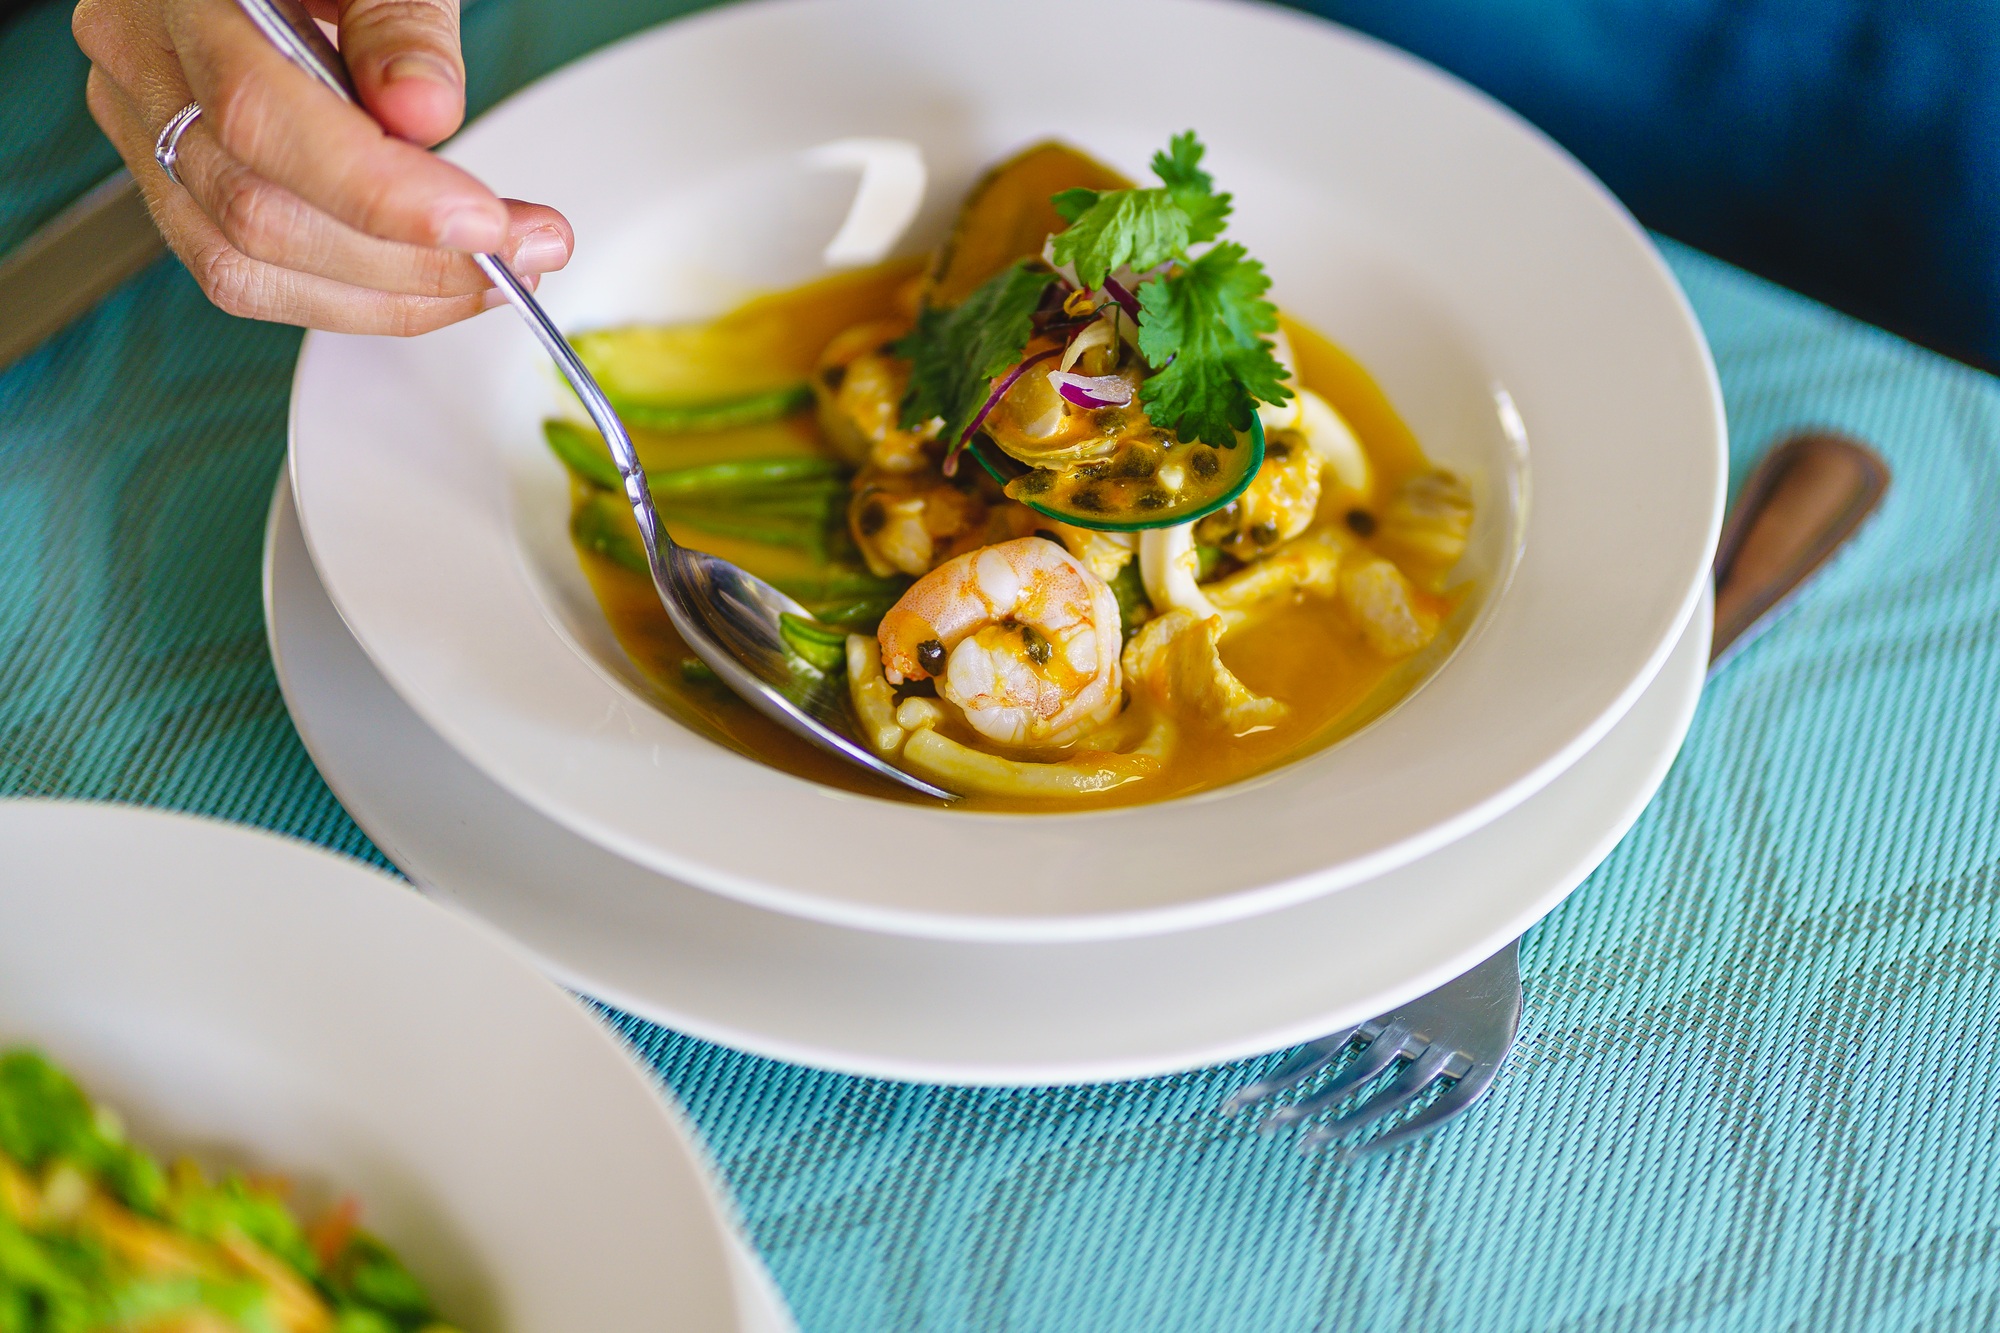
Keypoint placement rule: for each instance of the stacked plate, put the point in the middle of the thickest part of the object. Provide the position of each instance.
(456, 682)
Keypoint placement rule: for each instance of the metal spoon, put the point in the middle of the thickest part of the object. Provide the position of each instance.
(728, 616)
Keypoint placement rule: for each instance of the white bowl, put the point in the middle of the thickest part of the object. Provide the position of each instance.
(266, 1006)
(1507, 304)
(945, 1011)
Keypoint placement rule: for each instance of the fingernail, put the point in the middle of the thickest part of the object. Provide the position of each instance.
(472, 229)
(419, 65)
(542, 250)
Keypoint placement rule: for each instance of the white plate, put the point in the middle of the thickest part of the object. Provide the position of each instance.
(943, 1010)
(265, 1005)
(1505, 301)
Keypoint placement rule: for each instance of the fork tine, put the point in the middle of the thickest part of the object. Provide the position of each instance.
(1455, 1100)
(1312, 1057)
(1407, 1087)
(1377, 1056)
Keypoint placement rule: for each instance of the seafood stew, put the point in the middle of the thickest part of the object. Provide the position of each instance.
(1253, 556)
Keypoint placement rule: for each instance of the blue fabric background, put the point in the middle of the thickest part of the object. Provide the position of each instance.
(1847, 148)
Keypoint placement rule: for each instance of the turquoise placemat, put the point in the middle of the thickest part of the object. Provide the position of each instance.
(1757, 1084)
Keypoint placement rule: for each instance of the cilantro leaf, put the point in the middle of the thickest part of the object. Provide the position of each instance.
(1073, 204)
(955, 352)
(1139, 228)
(1142, 228)
(1179, 169)
(1203, 326)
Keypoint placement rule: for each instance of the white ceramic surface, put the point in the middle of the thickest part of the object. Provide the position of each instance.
(1510, 308)
(262, 1004)
(943, 1010)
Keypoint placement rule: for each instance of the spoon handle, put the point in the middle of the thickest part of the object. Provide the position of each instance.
(289, 28)
(1808, 496)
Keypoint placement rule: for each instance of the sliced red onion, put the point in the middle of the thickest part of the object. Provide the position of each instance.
(1092, 390)
(993, 400)
(1116, 291)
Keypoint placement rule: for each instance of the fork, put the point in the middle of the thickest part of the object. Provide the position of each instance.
(1805, 499)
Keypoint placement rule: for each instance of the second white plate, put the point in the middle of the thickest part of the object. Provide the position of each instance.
(938, 1010)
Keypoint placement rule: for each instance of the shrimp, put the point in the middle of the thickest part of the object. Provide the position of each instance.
(1021, 636)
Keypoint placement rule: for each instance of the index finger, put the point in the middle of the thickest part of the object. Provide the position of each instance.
(285, 126)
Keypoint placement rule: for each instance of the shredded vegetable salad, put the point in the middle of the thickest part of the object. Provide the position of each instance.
(96, 1236)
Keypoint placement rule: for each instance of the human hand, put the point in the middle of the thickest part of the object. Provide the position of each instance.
(296, 206)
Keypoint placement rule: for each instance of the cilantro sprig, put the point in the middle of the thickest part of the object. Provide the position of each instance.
(1203, 324)
(1142, 229)
(956, 352)
(1202, 318)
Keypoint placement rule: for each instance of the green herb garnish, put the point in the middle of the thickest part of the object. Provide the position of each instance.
(1202, 319)
(821, 647)
(1202, 324)
(1142, 229)
(955, 353)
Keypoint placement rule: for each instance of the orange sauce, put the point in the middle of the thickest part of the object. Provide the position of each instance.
(1306, 655)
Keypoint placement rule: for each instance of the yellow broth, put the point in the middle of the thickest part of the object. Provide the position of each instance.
(1306, 655)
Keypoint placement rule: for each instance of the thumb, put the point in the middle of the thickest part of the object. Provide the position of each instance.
(404, 57)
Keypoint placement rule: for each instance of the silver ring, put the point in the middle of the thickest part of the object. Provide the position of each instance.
(167, 148)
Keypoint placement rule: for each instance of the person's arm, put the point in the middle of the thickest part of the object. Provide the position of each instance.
(295, 206)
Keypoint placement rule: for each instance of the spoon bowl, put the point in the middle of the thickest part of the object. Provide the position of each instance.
(728, 616)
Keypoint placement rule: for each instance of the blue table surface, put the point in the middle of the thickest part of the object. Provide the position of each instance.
(1757, 1083)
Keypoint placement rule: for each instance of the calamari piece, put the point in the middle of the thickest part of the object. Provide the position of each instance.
(1425, 526)
(1334, 441)
(874, 701)
(1277, 506)
(1391, 614)
(1174, 659)
(971, 772)
(1168, 566)
(1307, 567)
(907, 733)
(1285, 415)
(1020, 635)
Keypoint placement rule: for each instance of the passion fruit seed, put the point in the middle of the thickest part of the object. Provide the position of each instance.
(872, 518)
(1138, 462)
(1036, 644)
(1036, 482)
(1361, 523)
(1264, 534)
(1204, 462)
(930, 656)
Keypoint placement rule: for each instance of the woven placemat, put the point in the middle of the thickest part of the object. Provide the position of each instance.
(1756, 1086)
